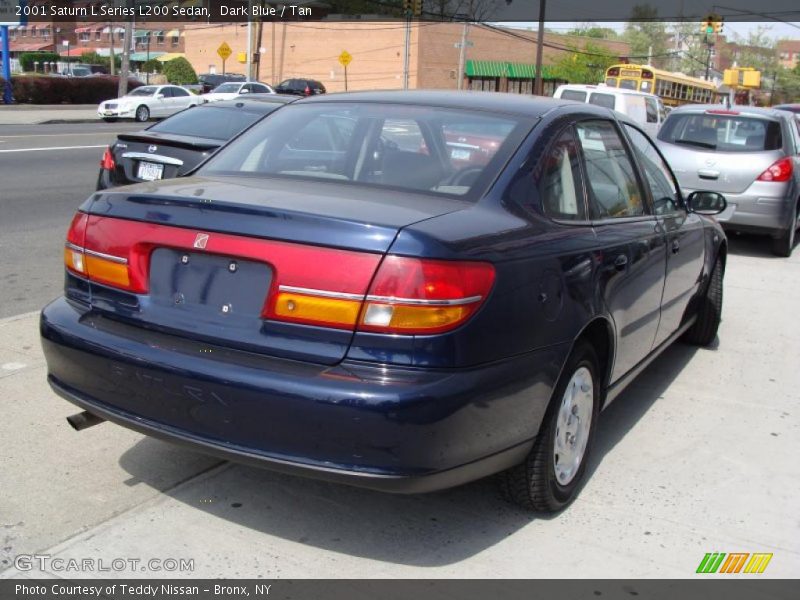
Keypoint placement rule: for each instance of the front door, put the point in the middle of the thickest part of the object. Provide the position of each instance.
(684, 231)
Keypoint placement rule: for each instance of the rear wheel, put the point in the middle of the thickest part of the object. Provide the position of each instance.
(784, 245)
(551, 475)
(142, 114)
(709, 313)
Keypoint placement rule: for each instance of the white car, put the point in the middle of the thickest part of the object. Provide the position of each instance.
(148, 101)
(232, 89)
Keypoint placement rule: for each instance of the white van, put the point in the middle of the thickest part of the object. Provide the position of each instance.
(646, 109)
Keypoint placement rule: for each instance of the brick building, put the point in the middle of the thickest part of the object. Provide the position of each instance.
(788, 53)
(496, 58)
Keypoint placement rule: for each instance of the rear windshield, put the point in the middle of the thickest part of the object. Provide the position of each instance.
(439, 150)
(604, 100)
(227, 88)
(573, 95)
(216, 123)
(723, 133)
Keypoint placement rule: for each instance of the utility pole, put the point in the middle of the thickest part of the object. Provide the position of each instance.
(407, 51)
(462, 55)
(249, 40)
(112, 67)
(538, 84)
(124, 70)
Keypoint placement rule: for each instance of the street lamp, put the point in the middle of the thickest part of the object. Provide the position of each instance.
(147, 72)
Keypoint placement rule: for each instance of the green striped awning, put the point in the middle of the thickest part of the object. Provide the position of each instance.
(492, 68)
(143, 56)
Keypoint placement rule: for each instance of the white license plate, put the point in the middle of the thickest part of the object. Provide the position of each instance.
(460, 154)
(108, 112)
(150, 171)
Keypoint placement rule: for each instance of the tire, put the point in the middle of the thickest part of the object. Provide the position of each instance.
(142, 114)
(109, 119)
(709, 312)
(784, 245)
(543, 482)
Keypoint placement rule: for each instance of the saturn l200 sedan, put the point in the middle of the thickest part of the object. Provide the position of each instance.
(341, 293)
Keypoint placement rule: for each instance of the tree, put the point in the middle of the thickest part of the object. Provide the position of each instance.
(152, 66)
(689, 48)
(647, 35)
(584, 65)
(590, 30)
(180, 72)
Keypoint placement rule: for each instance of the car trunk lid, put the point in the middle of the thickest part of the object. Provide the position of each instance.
(205, 258)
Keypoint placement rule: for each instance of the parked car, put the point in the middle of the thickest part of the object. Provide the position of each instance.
(300, 87)
(647, 110)
(176, 145)
(315, 302)
(148, 101)
(752, 155)
(794, 108)
(209, 81)
(232, 89)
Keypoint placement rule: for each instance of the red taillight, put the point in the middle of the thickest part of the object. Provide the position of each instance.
(419, 296)
(311, 285)
(780, 170)
(107, 162)
(308, 91)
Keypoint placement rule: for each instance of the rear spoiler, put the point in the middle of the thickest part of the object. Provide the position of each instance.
(173, 140)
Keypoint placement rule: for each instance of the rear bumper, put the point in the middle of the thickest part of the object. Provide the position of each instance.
(764, 208)
(393, 429)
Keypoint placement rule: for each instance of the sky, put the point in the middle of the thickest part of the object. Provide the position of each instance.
(775, 30)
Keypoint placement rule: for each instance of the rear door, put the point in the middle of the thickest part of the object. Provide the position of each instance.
(631, 276)
(684, 231)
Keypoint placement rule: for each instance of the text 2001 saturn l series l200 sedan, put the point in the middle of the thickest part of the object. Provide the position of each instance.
(345, 292)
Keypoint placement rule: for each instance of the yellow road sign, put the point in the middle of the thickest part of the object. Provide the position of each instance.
(345, 58)
(224, 51)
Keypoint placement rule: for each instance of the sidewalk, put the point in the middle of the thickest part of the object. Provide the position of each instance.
(35, 114)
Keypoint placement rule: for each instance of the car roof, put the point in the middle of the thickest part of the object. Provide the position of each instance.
(523, 105)
(747, 111)
(259, 104)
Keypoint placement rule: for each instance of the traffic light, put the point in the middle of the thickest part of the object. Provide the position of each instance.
(719, 24)
(709, 25)
(417, 8)
(412, 7)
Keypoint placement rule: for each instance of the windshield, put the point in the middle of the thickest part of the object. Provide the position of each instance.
(722, 132)
(227, 88)
(216, 123)
(147, 90)
(409, 147)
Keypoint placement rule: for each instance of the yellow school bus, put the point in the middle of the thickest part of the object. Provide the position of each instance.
(673, 88)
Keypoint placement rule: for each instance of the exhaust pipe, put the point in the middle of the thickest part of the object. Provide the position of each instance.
(84, 420)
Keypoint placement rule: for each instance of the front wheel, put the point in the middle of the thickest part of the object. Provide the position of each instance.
(709, 313)
(142, 114)
(551, 475)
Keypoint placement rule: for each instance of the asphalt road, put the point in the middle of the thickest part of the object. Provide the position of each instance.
(46, 172)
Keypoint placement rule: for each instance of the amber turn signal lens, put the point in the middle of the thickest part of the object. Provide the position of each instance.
(330, 312)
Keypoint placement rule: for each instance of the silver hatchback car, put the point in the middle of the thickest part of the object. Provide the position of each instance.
(751, 155)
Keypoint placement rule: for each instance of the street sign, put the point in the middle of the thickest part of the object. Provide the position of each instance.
(345, 58)
(224, 51)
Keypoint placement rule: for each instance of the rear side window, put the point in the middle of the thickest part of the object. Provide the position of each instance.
(212, 122)
(559, 180)
(573, 95)
(651, 108)
(604, 100)
(723, 133)
(611, 184)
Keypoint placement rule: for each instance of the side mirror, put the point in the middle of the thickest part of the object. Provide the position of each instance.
(159, 96)
(244, 92)
(706, 203)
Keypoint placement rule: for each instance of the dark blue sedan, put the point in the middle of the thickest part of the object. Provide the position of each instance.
(398, 290)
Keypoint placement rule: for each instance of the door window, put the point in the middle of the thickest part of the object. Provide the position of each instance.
(179, 92)
(559, 180)
(657, 175)
(167, 92)
(612, 188)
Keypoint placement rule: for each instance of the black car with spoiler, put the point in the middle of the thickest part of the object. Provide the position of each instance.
(174, 146)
